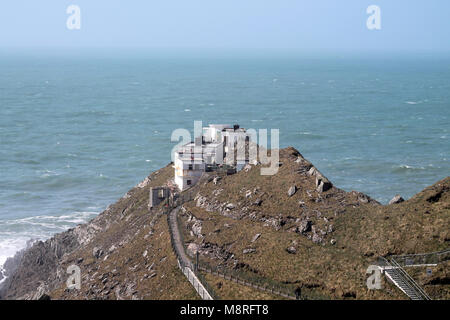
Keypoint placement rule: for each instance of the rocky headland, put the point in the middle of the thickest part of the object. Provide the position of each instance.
(294, 228)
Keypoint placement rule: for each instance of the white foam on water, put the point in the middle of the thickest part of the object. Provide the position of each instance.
(413, 102)
(15, 233)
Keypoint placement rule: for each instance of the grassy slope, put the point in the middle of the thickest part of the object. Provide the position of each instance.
(130, 274)
(229, 290)
(362, 231)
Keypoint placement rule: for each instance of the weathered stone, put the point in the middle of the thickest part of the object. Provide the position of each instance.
(97, 252)
(292, 191)
(312, 171)
(396, 199)
(316, 238)
(291, 250)
(256, 237)
(247, 251)
(363, 198)
(305, 226)
(322, 184)
(230, 206)
(197, 228)
(257, 202)
(192, 248)
(41, 293)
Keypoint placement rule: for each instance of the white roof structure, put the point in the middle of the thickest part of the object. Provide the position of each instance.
(209, 149)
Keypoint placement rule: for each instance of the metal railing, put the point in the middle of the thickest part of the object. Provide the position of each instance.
(194, 277)
(422, 259)
(256, 282)
(406, 283)
(410, 280)
(241, 277)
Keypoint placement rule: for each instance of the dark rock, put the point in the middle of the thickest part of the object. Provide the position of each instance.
(44, 297)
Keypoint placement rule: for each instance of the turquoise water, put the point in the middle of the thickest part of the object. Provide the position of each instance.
(78, 131)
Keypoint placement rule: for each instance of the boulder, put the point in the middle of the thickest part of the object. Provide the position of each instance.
(305, 226)
(291, 250)
(41, 293)
(230, 206)
(247, 251)
(256, 237)
(292, 190)
(322, 184)
(396, 199)
(197, 228)
(97, 252)
(257, 202)
(312, 171)
(192, 249)
(316, 238)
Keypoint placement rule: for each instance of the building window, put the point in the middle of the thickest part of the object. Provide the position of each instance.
(188, 182)
(190, 167)
(161, 193)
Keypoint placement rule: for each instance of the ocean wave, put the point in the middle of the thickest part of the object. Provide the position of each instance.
(413, 102)
(406, 168)
(15, 233)
(310, 135)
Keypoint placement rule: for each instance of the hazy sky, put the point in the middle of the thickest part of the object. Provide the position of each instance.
(314, 25)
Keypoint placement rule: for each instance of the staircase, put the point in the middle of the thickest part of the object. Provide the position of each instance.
(403, 281)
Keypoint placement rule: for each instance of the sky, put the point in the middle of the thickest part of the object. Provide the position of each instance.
(309, 26)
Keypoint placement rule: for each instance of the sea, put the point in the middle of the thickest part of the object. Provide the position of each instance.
(78, 129)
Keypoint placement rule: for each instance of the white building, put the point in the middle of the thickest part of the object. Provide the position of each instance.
(192, 159)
